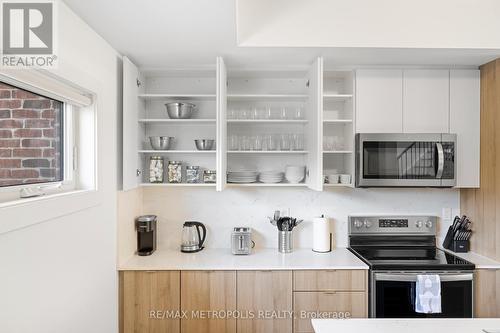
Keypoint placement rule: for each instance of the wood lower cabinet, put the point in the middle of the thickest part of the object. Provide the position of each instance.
(336, 305)
(150, 301)
(264, 294)
(487, 293)
(205, 297)
(259, 301)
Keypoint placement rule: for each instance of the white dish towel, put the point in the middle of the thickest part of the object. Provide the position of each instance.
(428, 294)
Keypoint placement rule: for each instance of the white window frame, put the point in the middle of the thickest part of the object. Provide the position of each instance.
(13, 195)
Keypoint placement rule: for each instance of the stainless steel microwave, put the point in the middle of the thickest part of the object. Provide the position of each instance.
(405, 160)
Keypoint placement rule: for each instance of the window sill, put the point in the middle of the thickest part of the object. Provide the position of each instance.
(22, 213)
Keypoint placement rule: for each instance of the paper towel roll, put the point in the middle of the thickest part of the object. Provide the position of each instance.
(321, 235)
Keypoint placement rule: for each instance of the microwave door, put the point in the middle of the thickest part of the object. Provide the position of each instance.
(399, 163)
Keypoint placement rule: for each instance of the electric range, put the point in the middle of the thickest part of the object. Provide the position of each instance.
(398, 249)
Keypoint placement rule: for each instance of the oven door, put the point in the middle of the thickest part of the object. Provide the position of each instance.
(405, 160)
(393, 295)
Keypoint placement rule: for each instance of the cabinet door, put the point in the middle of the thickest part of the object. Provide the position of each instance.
(133, 107)
(465, 107)
(487, 293)
(379, 104)
(264, 294)
(426, 98)
(335, 305)
(221, 141)
(314, 129)
(203, 291)
(150, 301)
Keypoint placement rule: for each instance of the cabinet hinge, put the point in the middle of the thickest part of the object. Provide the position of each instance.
(138, 172)
(138, 82)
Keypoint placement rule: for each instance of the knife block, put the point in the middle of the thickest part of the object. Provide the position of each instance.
(460, 246)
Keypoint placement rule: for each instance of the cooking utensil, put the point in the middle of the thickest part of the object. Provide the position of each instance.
(161, 142)
(179, 110)
(204, 144)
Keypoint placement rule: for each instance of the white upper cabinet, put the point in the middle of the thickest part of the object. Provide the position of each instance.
(465, 122)
(379, 101)
(426, 96)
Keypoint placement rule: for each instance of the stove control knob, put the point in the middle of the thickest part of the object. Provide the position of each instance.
(419, 224)
(428, 224)
(358, 224)
(367, 224)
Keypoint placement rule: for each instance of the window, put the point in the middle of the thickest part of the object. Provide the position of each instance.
(32, 134)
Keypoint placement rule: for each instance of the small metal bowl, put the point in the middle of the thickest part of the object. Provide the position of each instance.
(204, 144)
(161, 142)
(178, 110)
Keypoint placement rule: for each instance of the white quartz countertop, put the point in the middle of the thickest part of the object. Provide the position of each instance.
(480, 261)
(406, 325)
(260, 259)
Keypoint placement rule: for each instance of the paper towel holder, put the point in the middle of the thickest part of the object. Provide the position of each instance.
(321, 229)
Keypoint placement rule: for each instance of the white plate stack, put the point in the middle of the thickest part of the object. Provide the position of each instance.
(241, 177)
(271, 177)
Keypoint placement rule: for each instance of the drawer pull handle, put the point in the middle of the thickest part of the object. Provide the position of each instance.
(330, 293)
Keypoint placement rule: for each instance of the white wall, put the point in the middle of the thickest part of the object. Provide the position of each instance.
(221, 211)
(60, 275)
(368, 23)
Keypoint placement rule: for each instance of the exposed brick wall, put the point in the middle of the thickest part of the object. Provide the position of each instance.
(30, 137)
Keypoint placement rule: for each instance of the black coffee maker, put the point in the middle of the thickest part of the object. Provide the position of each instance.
(146, 234)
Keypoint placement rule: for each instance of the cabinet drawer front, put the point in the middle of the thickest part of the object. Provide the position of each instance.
(331, 280)
(310, 305)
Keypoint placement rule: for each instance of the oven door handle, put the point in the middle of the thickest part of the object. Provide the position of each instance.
(413, 277)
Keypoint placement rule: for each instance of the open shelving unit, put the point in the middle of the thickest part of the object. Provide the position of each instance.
(309, 102)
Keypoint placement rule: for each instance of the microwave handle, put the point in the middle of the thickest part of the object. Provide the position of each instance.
(413, 277)
(440, 160)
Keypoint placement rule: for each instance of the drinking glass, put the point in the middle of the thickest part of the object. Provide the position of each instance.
(267, 113)
(244, 113)
(297, 141)
(328, 143)
(232, 113)
(234, 142)
(254, 113)
(299, 113)
(285, 142)
(256, 142)
(283, 113)
(243, 142)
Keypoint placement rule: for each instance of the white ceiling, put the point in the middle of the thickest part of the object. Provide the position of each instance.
(191, 33)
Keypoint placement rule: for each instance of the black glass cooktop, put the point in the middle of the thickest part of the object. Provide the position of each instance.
(410, 258)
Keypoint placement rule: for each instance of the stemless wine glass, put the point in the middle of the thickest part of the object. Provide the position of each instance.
(283, 113)
(285, 142)
(299, 113)
(257, 142)
(297, 141)
(234, 142)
